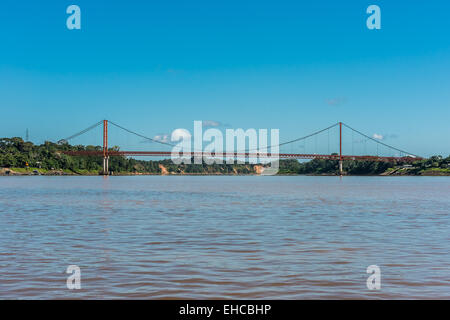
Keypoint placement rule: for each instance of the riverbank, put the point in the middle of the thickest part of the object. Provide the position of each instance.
(18, 157)
(43, 172)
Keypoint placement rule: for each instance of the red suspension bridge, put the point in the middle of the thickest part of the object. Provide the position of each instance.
(395, 154)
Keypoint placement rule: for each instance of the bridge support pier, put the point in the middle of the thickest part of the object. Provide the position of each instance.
(341, 170)
(105, 148)
(105, 166)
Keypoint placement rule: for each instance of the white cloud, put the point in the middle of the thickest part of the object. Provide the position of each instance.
(179, 134)
(336, 101)
(211, 123)
(161, 138)
(378, 136)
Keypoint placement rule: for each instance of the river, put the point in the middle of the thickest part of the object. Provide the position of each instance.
(202, 237)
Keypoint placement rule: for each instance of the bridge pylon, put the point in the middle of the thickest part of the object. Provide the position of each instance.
(341, 169)
(105, 148)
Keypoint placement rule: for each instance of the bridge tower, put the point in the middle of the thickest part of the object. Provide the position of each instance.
(105, 148)
(341, 170)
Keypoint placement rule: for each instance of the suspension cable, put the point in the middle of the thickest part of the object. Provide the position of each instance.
(384, 144)
(79, 133)
(140, 135)
(295, 140)
(246, 151)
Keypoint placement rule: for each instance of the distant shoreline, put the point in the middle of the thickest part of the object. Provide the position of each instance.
(13, 173)
(19, 157)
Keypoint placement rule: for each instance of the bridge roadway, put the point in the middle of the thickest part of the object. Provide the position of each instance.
(241, 155)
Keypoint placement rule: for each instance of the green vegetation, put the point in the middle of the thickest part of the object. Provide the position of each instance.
(25, 158)
(207, 169)
(331, 167)
(48, 157)
(436, 165)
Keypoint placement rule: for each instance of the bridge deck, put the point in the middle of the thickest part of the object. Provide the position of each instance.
(241, 155)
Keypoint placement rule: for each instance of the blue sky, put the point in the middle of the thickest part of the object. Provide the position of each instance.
(299, 66)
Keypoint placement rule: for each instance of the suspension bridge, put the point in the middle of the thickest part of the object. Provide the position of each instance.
(381, 152)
